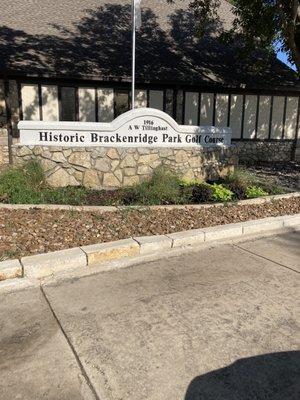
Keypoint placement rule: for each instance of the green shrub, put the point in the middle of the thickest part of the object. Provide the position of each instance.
(221, 193)
(271, 186)
(164, 187)
(188, 183)
(240, 176)
(240, 180)
(202, 193)
(255, 191)
(65, 195)
(34, 174)
(22, 184)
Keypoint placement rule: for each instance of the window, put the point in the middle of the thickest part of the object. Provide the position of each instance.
(222, 101)
(105, 105)
(156, 99)
(87, 104)
(263, 122)
(207, 109)
(291, 117)
(30, 102)
(50, 103)
(140, 99)
(277, 117)
(191, 108)
(250, 116)
(236, 112)
(169, 102)
(68, 107)
(121, 102)
(179, 106)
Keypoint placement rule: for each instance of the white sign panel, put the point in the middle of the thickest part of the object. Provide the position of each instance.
(142, 127)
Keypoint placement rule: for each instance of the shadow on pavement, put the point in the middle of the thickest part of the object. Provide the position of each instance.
(274, 376)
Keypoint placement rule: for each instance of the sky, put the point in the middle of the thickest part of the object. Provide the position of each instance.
(283, 57)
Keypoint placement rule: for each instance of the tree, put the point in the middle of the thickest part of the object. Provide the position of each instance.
(259, 23)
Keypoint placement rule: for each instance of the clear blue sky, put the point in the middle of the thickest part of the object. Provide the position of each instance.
(283, 57)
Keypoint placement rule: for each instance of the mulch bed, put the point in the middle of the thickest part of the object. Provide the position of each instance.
(25, 232)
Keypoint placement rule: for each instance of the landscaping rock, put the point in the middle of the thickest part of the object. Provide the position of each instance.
(91, 179)
(110, 180)
(80, 158)
(35, 231)
(61, 178)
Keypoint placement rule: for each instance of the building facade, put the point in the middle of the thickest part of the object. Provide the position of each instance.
(73, 64)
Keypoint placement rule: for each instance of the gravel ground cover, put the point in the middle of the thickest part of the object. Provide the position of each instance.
(285, 174)
(25, 232)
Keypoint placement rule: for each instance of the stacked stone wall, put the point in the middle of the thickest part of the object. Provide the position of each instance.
(267, 151)
(107, 168)
(4, 152)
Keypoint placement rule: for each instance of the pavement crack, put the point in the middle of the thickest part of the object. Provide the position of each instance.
(83, 371)
(265, 258)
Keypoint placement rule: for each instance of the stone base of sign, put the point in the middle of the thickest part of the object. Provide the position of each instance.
(108, 168)
(4, 156)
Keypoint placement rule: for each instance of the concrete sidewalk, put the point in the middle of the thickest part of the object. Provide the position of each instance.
(216, 323)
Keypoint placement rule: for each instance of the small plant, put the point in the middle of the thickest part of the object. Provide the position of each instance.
(255, 191)
(65, 195)
(240, 180)
(164, 187)
(221, 193)
(202, 193)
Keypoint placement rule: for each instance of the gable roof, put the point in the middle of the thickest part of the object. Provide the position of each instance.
(91, 39)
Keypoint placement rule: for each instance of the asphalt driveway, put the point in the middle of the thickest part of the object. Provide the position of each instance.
(216, 323)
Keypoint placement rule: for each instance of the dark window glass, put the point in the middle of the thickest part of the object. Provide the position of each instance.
(68, 108)
(121, 102)
(169, 102)
(179, 107)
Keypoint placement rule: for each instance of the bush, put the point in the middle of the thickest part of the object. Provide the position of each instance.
(164, 187)
(22, 184)
(221, 193)
(255, 191)
(202, 193)
(240, 180)
(271, 187)
(65, 195)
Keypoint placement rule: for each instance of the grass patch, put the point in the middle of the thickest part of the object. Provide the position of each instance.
(27, 185)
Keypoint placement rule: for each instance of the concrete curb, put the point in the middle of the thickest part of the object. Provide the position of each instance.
(51, 207)
(103, 252)
(41, 265)
(10, 269)
(49, 264)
